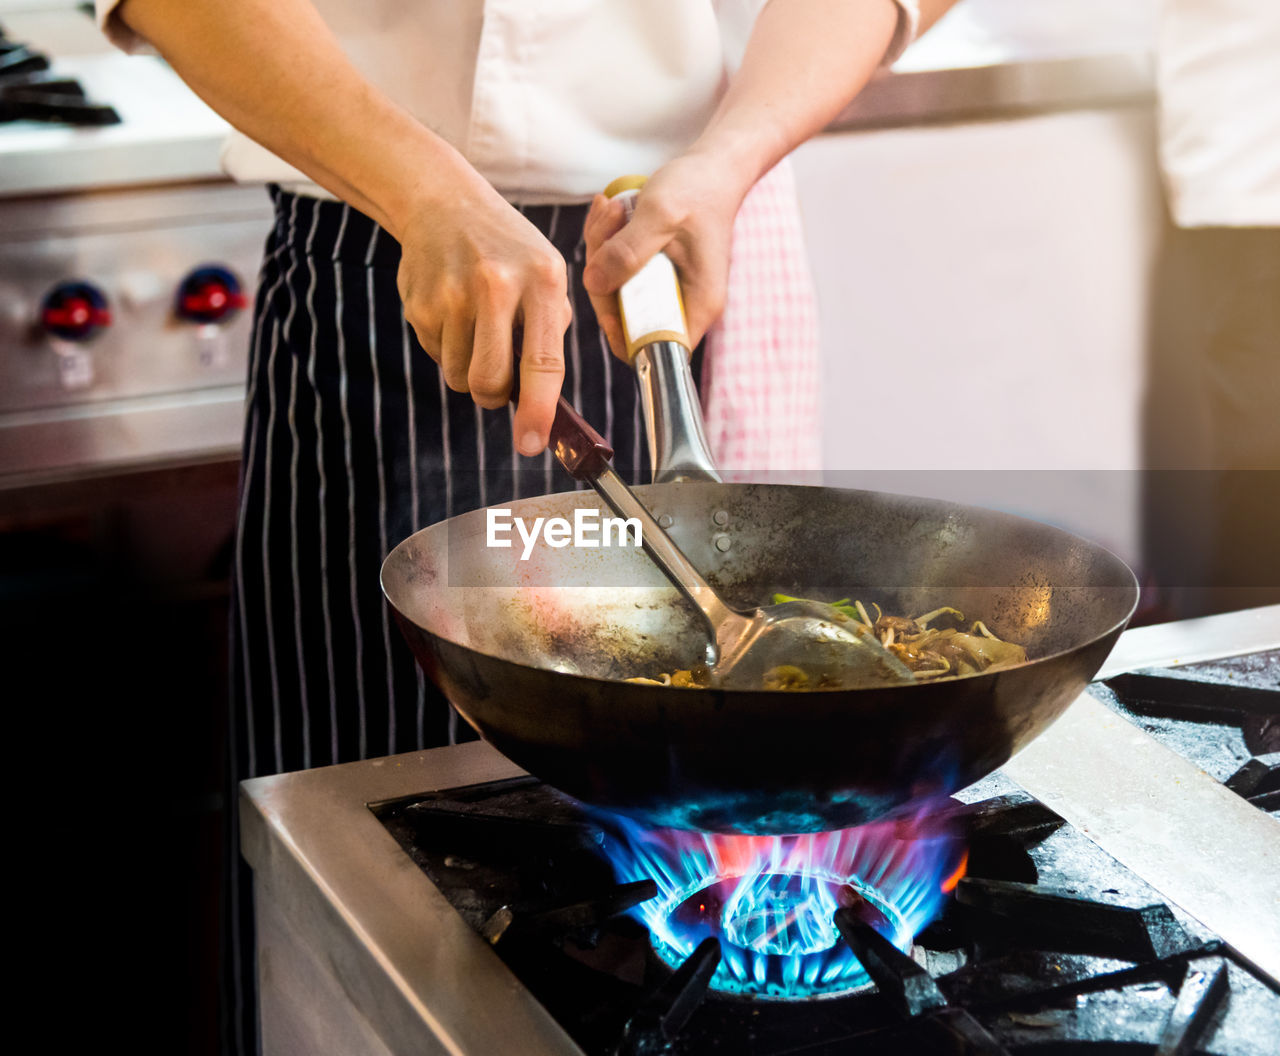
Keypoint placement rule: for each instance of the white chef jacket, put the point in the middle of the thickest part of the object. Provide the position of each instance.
(1218, 79)
(548, 99)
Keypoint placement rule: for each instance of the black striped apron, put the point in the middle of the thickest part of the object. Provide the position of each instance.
(352, 442)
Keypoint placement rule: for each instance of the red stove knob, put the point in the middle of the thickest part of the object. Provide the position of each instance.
(210, 294)
(75, 311)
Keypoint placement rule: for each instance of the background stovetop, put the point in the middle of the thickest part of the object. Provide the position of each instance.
(1236, 741)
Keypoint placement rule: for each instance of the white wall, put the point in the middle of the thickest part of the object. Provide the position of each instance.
(983, 294)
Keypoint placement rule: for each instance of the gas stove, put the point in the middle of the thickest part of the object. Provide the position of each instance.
(1115, 892)
(126, 258)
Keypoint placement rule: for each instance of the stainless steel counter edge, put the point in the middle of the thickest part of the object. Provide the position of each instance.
(389, 935)
(1008, 89)
(394, 940)
(83, 165)
(120, 434)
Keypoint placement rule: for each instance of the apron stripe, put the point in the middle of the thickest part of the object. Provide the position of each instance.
(575, 353)
(354, 611)
(411, 427)
(410, 461)
(319, 567)
(268, 463)
(481, 476)
(515, 455)
(294, 492)
(382, 502)
(342, 230)
(603, 344)
(295, 454)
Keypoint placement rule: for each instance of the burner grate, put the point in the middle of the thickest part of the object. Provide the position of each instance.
(29, 91)
(1222, 715)
(1050, 946)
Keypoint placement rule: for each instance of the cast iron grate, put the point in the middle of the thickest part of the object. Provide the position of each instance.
(1025, 959)
(1223, 715)
(30, 91)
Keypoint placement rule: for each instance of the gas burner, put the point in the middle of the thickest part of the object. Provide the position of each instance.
(30, 91)
(983, 928)
(771, 901)
(777, 932)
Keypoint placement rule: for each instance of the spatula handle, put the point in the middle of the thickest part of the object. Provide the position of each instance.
(580, 449)
(586, 454)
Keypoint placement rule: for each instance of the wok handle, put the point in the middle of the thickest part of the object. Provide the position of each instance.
(658, 346)
(650, 303)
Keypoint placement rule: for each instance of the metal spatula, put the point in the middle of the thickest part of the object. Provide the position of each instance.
(829, 648)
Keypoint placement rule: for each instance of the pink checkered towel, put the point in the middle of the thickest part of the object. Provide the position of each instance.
(762, 369)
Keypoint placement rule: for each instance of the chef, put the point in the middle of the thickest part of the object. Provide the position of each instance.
(436, 169)
(1212, 507)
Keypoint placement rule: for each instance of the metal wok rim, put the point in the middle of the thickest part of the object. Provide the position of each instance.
(698, 692)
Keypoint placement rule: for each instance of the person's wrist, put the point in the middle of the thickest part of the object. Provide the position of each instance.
(426, 177)
(730, 163)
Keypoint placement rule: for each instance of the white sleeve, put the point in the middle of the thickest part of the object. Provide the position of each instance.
(114, 29)
(737, 17)
(908, 27)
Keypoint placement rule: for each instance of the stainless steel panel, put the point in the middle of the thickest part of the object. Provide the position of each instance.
(138, 264)
(161, 388)
(122, 434)
(402, 956)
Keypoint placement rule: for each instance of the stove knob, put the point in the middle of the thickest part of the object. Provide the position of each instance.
(210, 294)
(75, 311)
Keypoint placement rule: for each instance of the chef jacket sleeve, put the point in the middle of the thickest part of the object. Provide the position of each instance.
(736, 18)
(908, 27)
(114, 29)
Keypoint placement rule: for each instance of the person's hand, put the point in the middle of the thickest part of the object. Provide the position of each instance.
(686, 210)
(470, 270)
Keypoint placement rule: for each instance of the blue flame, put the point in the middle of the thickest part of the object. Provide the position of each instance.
(771, 899)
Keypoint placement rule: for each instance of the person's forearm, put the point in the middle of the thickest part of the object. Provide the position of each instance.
(273, 69)
(805, 62)
(471, 265)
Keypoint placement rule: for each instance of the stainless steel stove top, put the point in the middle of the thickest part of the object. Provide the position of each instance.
(361, 952)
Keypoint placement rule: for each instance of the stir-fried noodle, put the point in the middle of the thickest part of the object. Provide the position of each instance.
(930, 651)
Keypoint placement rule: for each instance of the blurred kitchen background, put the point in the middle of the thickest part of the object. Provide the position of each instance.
(982, 224)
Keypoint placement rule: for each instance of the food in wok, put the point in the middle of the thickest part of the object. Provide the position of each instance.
(932, 646)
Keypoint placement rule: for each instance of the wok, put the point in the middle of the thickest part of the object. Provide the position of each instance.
(532, 652)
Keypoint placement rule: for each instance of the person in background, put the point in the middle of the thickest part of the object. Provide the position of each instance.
(1212, 509)
(436, 168)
